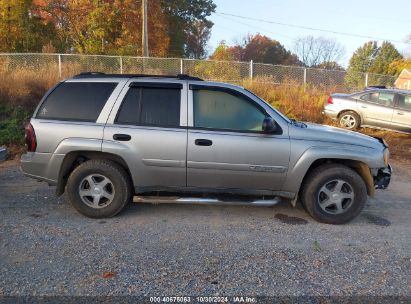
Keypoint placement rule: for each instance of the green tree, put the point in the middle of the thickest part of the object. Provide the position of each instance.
(380, 68)
(181, 16)
(360, 63)
(374, 60)
(387, 53)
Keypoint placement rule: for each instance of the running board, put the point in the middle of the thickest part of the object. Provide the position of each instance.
(202, 201)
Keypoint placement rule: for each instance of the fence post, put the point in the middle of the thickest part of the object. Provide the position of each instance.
(121, 65)
(305, 78)
(59, 57)
(181, 66)
(251, 69)
(366, 79)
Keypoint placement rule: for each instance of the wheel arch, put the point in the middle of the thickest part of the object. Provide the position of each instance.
(75, 158)
(358, 166)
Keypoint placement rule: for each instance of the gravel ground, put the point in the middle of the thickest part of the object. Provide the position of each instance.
(46, 248)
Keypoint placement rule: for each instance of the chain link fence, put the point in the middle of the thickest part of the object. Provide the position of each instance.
(67, 65)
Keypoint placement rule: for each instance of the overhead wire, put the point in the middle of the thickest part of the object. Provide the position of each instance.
(311, 28)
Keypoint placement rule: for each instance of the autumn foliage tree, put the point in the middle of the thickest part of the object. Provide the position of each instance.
(21, 31)
(258, 48)
(103, 26)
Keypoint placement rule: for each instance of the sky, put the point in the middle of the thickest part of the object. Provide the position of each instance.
(389, 20)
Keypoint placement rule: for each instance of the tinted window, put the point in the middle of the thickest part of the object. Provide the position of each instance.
(78, 101)
(404, 102)
(382, 98)
(221, 110)
(151, 107)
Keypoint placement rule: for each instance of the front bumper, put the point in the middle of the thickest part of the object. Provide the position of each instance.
(383, 178)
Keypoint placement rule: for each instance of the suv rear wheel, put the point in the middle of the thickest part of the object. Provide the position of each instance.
(99, 188)
(349, 120)
(333, 194)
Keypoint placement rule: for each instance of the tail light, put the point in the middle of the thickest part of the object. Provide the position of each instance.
(30, 137)
(330, 100)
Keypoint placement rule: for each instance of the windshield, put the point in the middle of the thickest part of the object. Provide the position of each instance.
(278, 112)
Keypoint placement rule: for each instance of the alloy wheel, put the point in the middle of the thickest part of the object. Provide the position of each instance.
(336, 196)
(96, 191)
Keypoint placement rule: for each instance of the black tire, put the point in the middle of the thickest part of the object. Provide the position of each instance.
(349, 120)
(119, 188)
(328, 176)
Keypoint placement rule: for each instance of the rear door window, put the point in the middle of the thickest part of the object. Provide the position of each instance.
(76, 101)
(382, 98)
(156, 106)
(404, 102)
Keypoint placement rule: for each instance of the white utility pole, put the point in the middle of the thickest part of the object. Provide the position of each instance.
(144, 30)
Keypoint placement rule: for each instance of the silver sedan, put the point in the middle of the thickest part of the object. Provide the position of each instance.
(377, 108)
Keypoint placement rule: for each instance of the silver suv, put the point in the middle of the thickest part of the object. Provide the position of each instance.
(374, 107)
(106, 138)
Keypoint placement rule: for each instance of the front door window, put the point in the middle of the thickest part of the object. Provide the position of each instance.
(224, 111)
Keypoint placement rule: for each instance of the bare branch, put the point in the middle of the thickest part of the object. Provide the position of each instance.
(313, 51)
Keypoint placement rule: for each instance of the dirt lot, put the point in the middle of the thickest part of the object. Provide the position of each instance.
(46, 248)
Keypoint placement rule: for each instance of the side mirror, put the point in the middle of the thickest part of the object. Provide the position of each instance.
(269, 125)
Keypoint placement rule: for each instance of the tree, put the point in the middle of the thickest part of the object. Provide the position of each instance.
(397, 66)
(360, 63)
(372, 59)
(387, 53)
(181, 15)
(220, 67)
(197, 40)
(21, 31)
(265, 50)
(105, 26)
(314, 51)
(258, 48)
(223, 53)
(329, 65)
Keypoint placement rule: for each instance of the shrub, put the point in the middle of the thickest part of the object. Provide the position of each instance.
(12, 125)
(292, 99)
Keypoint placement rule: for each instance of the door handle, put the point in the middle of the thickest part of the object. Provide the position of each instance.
(400, 113)
(364, 107)
(121, 137)
(203, 142)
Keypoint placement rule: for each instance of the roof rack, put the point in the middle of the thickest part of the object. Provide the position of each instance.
(104, 75)
(375, 87)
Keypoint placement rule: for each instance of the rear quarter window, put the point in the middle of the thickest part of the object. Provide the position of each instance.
(76, 101)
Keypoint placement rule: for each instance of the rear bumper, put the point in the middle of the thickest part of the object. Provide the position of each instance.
(383, 178)
(330, 113)
(41, 166)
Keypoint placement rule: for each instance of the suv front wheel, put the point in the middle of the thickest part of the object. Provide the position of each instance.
(333, 194)
(99, 188)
